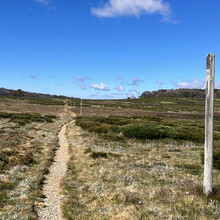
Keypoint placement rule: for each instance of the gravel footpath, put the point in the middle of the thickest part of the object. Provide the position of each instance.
(51, 189)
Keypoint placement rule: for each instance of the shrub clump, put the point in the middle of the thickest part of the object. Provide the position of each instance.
(100, 129)
(95, 155)
(149, 131)
(216, 157)
(88, 124)
(26, 118)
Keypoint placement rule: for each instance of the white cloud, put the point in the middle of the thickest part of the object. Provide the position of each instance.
(135, 81)
(101, 86)
(193, 84)
(45, 2)
(115, 8)
(120, 88)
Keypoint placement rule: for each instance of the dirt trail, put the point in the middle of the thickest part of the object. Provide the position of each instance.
(51, 189)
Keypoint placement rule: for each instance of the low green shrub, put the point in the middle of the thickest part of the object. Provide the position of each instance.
(193, 169)
(26, 118)
(191, 133)
(96, 155)
(149, 131)
(5, 115)
(216, 157)
(88, 124)
(115, 128)
(152, 118)
(113, 137)
(3, 193)
(100, 129)
(147, 127)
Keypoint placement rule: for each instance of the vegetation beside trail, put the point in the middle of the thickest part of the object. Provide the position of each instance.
(27, 148)
(111, 176)
(151, 128)
(146, 127)
(141, 159)
(27, 118)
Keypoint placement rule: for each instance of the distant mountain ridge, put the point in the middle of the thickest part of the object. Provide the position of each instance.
(181, 93)
(20, 93)
(184, 93)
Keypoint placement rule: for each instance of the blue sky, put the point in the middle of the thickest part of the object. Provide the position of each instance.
(107, 48)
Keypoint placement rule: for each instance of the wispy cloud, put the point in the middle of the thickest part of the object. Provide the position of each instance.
(101, 86)
(116, 8)
(79, 78)
(134, 91)
(119, 78)
(135, 81)
(45, 2)
(83, 86)
(160, 83)
(120, 88)
(33, 76)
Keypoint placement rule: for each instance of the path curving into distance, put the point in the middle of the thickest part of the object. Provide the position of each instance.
(51, 188)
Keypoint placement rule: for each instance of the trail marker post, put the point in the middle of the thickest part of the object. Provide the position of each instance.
(209, 121)
(81, 108)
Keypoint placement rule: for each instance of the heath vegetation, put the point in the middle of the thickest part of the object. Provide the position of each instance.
(27, 147)
(128, 163)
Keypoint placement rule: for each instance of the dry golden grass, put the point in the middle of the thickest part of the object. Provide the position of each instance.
(22, 106)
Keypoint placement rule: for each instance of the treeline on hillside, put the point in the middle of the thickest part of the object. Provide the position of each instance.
(183, 93)
(20, 93)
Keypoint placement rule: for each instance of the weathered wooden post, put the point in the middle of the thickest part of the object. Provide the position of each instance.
(209, 120)
(81, 108)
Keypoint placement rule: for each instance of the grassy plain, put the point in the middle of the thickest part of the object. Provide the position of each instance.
(140, 159)
(130, 159)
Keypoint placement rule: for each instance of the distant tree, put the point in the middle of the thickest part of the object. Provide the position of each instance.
(19, 93)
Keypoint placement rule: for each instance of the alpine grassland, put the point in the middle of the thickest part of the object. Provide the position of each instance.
(140, 159)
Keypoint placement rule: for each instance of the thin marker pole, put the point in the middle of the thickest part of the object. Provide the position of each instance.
(209, 121)
(81, 108)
